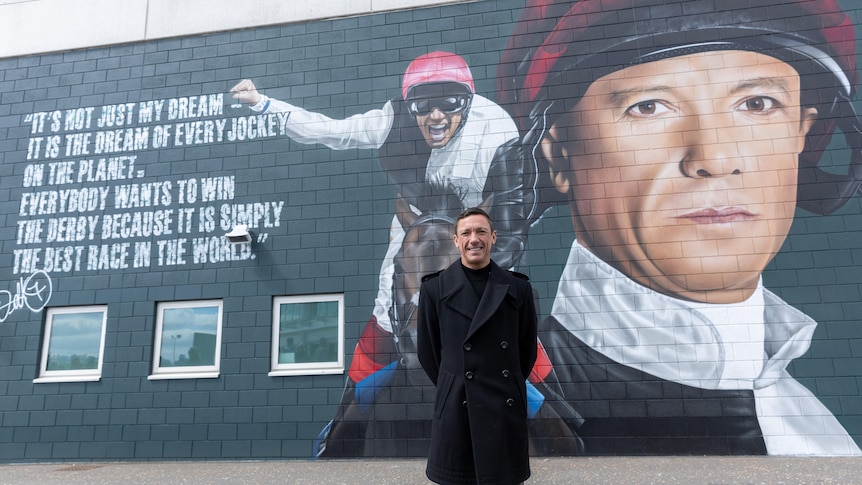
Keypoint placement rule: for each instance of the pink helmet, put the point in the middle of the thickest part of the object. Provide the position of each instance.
(437, 67)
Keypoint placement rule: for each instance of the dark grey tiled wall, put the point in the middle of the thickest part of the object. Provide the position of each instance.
(332, 237)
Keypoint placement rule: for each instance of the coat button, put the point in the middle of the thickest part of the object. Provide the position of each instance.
(464, 403)
(468, 375)
(468, 347)
(504, 345)
(505, 373)
(510, 402)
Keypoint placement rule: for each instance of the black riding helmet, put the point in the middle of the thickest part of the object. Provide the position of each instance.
(559, 47)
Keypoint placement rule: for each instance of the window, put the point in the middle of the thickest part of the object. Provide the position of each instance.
(188, 340)
(308, 335)
(74, 344)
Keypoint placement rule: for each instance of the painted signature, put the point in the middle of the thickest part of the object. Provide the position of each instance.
(32, 292)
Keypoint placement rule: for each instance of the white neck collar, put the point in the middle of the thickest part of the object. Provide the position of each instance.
(664, 336)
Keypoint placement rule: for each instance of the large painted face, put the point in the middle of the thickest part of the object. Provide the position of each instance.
(474, 239)
(683, 171)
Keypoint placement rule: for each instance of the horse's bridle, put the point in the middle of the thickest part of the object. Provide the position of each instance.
(400, 319)
(394, 315)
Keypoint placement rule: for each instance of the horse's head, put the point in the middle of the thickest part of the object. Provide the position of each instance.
(427, 248)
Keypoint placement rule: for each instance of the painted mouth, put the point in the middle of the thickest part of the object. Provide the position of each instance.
(437, 132)
(714, 215)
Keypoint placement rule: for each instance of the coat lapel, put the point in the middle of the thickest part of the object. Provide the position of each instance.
(456, 298)
(495, 291)
(476, 311)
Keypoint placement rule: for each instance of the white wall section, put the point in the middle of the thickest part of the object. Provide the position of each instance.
(41, 26)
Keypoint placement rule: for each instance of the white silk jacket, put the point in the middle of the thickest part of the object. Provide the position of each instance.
(462, 164)
(677, 341)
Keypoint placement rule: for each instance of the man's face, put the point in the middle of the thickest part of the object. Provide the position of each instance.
(474, 239)
(683, 171)
(439, 118)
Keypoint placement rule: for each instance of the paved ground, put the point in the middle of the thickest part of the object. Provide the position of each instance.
(555, 471)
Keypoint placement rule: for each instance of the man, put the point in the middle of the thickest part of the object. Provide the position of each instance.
(477, 344)
(684, 145)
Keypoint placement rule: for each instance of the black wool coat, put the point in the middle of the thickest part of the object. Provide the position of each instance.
(478, 353)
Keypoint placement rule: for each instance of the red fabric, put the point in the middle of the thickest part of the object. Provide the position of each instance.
(542, 367)
(550, 26)
(374, 351)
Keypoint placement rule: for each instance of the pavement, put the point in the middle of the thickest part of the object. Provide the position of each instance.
(555, 471)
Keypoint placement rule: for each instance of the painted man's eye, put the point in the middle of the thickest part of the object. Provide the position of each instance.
(648, 108)
(759, 103)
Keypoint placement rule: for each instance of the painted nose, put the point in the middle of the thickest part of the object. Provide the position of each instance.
(712, 148)
(436, 114)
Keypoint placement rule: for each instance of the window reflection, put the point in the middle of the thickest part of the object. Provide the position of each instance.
(188, 340)
(307, 335)
(308, 332)
(75, 341)
(73, 344)
(189, 336)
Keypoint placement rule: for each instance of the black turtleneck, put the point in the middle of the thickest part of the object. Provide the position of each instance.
(478, 278)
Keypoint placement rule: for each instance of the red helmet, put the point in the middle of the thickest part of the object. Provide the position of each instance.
(559, 47)
(437, 67)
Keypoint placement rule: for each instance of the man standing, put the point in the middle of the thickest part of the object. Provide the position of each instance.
(477, 343)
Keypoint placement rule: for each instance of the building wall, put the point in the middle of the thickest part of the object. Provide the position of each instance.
(41, 26)
(324, 229)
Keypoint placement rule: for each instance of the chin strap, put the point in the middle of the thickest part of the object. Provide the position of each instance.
(824, 192)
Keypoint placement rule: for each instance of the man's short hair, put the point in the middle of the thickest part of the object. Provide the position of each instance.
(473, 211)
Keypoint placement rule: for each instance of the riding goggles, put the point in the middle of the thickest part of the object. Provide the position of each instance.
(446, 104)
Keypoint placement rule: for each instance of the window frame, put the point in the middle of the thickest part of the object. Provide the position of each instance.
(186, 372)
(306, 368)
(74, 375)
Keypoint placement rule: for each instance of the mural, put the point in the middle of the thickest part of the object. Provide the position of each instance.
(681, 158)
(684, 158)
(673, 177)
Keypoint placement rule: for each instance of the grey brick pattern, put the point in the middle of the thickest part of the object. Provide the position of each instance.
(331, 237)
